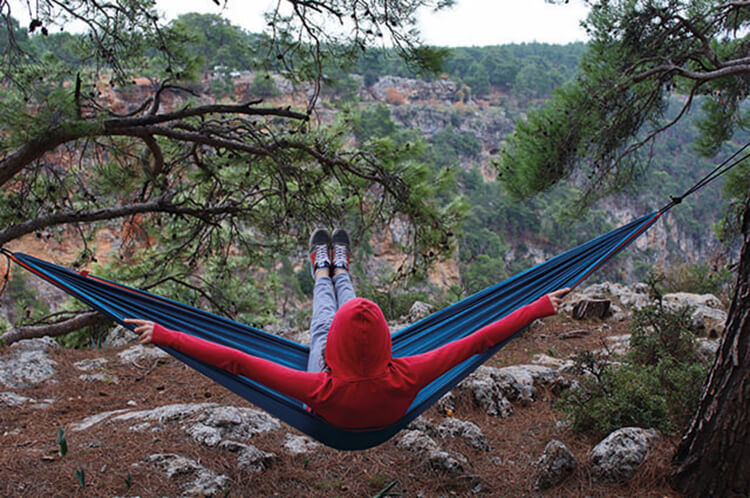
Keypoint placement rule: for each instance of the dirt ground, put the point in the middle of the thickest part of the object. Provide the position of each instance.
(30, 464)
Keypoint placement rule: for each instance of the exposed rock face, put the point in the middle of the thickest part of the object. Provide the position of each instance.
(201, 481)
(249, 457)
(619, 455)
(412, 89)
(555, 464)
(27, 363)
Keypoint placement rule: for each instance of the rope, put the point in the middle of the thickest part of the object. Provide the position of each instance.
(719, 170)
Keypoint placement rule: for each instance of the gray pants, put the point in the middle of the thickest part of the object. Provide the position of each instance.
(328, 296)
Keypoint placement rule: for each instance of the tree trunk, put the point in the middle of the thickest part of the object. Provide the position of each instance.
(713, 458)
(52, 330)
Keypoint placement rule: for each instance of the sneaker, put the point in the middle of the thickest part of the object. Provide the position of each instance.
(320, 242)
(340, 249)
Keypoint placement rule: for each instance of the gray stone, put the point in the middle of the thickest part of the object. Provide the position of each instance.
(707, 349)
(13, 399)
(90, 364)
(617, 344)
(488, 388)
(683, 299)
(711, 320)
(99, 377)
(554, 466)
(239, 422)
(204, 434)
(140, 353)
(447, 403)
(119, 336)
(416, 441)
(27, 363)
(447, 461)
(253, 459)
(418, 311)
(201, 481)
(619, 455)
(299, 445)
(469, 431)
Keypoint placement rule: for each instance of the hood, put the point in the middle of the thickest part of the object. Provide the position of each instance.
(359, 342)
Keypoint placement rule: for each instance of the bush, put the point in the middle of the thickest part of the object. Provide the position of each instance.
(658, 384)
(618, 396)
(659, 333)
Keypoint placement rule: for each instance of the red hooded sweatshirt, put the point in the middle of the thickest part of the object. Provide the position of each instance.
(365, 387)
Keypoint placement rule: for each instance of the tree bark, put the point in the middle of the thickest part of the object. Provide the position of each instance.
(52, 330)
(713, 458)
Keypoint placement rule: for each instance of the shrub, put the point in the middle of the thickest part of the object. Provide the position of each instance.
(658, 384)
(619, 396)
(658, 333)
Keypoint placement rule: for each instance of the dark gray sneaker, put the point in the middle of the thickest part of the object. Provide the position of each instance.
(340, 249)
(319, 249)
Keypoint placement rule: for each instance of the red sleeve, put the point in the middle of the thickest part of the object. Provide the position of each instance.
(430, 365)
(295, 383)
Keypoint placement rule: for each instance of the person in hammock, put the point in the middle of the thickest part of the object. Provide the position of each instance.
(352, 380)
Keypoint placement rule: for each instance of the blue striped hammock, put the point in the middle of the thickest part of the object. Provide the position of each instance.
(118, 301)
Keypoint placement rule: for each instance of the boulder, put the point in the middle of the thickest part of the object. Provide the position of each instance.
(469, 431)
(711, 320)
(201, 481)
(249, 457)
(140, 353)
(27, 363)
(554, 466)
(683, 299)
(418, 311)
(619, 455)
(119, 336)
(299, 445)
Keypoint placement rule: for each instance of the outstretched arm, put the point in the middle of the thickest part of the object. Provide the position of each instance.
(295, 383)
(430, 365)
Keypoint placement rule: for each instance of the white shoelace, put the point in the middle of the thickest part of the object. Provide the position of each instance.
(339, 255)
(321, 255)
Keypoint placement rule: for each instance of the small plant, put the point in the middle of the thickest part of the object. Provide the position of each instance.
(658, 333)
(128, 480)
(81, 476)
(62, 443)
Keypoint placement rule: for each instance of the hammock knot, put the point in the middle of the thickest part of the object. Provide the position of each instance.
(675, 200)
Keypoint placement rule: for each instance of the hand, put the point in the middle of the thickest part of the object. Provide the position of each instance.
(144, 329)
(557, 297)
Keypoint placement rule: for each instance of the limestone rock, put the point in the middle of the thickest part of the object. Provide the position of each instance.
(682, 299)
(140, 353)
(711, 320)
(299, 445)
(27, 363)
(619, 455)
(447, 461)
(119, 336)
(554, 466)
(707, 349)
(203, 482)
(13, 399)
(418, 311)
(100, 377)
(90, 364)
(249, 457)
(469, 431)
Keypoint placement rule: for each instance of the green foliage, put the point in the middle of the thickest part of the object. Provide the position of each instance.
(264, 86)
(81, 477)
(62, 443)
(619, 396)
(27, 307)
(658, 333)
(657, 385)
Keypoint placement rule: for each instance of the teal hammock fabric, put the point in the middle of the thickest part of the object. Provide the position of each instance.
(458, 320)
